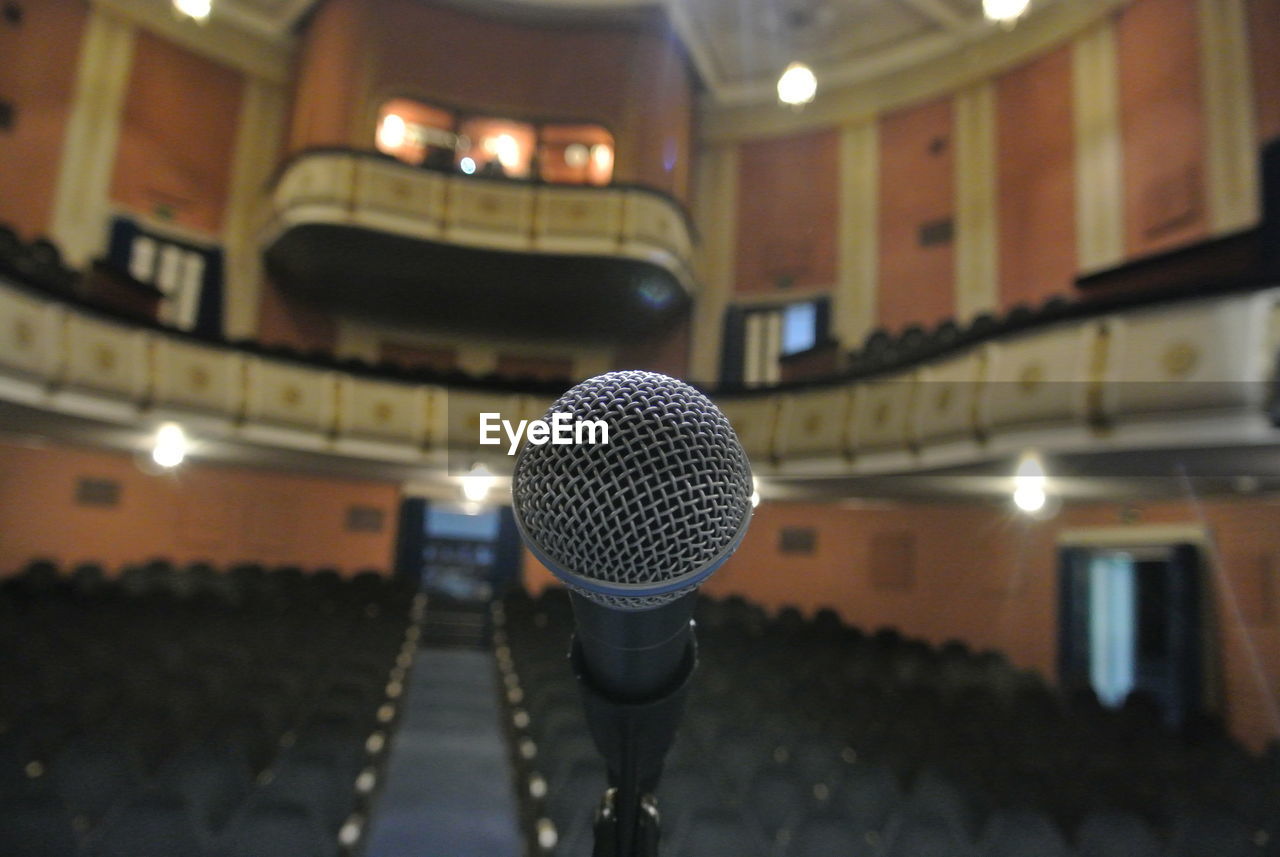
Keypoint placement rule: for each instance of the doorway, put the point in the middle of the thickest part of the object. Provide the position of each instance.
(1131, 622)
(458, 552)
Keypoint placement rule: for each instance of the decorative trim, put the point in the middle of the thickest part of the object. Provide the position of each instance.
(1099, 155)
(1229, 115)
(977, 212)
(853, 311)
(716, 217)
(80, 200)
(1136, 536)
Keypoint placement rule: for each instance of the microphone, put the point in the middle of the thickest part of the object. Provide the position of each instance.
(634, 525)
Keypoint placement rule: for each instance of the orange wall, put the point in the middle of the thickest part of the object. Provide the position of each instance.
(631, 78)
(177, 137)
(37, 76)
(989, 577)
(1036, 180)
(330, 77)
(917, 182)
(1162, 125)
(788, 211)
(202, 511)
(1264, 50)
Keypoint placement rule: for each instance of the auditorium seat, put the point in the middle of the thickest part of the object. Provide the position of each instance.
(138, 711)
(36, 825)
(268, 828)
(152, 824)
(213, 780)
(719, 833)
(1218, 835)
(920, 835)
(1115, 833)
(91, 774)
(829, 835)
(1021, 833)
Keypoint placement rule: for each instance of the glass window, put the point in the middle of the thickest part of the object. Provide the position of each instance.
(416, 133)
(561, 153)
(799, 327)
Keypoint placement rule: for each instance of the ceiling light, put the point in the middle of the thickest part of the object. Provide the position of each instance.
(1004, 11)
(1030, 485)
(171, 446)
(467, 165)
(477, 483)
(797, 86)
(196, 10)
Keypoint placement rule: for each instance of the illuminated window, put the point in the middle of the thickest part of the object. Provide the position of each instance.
(498, 147)
(422, 135)
(576, 154)
(416, 133)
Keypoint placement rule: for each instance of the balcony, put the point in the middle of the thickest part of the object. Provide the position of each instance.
(360, 232)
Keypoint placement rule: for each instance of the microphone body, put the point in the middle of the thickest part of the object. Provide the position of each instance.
(632, 527)
(633, 657)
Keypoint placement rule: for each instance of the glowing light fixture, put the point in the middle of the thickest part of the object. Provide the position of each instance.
(601, 156)
(1029, 491)
(467, 165)
(797, 85)
(576, 155)
(392, 132)
(507, 150)
(477, 484)
(171, 446)
(1005, 12)
(196, 10)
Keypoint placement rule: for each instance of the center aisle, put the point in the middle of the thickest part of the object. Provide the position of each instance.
(448, 788)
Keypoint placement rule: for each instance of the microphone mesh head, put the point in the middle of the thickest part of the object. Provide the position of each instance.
(640, 520)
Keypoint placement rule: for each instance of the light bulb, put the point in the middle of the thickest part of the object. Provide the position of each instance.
(197, 10)
(797, 85)
(1004, 11)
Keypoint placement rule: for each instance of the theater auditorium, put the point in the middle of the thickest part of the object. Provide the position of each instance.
(915, 489)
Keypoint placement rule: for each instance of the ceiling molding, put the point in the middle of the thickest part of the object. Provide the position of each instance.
(912, 73)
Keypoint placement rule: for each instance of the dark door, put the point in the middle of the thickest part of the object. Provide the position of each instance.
(1130, 621)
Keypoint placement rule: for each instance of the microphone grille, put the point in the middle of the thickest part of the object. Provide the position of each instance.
(640, 520)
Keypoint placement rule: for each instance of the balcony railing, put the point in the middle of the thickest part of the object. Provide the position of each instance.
(1191, 374)
(372, 191)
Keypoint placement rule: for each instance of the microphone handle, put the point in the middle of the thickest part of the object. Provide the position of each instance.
(634, 656)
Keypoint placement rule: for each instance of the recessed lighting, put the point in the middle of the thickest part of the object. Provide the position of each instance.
(1004, 11)
(171, 446)
(797, 85)
(196, 10)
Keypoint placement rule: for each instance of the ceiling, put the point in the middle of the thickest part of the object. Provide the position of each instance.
(740, 46)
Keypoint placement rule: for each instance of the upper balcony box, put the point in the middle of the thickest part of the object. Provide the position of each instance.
(363, 232)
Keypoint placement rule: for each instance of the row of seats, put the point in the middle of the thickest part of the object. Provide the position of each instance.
(39, 265)
(806, 737)
(171, 709)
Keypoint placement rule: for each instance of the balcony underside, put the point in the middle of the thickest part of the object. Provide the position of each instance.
(433, 285)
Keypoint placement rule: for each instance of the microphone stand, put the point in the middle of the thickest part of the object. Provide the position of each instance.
(634, 738)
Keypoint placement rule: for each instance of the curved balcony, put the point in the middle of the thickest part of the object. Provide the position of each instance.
(1137, 392)
(361, 231)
